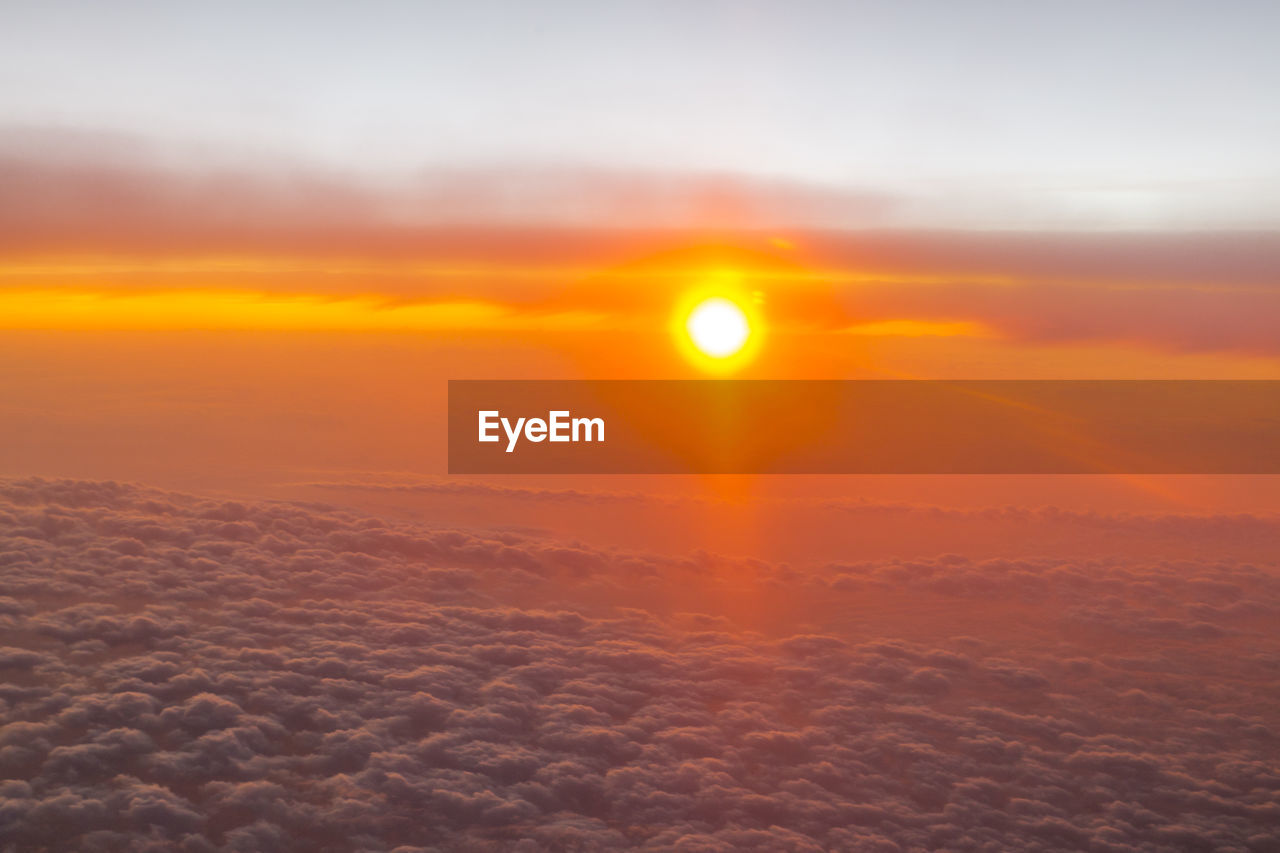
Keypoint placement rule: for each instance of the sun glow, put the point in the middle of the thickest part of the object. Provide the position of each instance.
(718, 327)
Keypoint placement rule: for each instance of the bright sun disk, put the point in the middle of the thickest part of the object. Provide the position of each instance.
(718, 327)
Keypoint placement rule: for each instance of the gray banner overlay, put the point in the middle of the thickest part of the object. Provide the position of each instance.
(864, 427)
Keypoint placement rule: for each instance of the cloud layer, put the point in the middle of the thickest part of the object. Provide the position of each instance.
(204, 675)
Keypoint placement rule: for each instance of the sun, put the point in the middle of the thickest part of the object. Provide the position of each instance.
(718, 327)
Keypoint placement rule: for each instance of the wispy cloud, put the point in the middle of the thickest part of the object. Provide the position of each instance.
(113, 242)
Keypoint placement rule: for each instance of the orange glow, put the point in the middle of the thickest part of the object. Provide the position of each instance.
(921, 329)
(242, 310)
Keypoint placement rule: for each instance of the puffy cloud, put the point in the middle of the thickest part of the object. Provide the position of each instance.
(222, 676)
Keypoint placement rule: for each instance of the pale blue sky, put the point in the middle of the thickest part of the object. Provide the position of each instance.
(1127, 114)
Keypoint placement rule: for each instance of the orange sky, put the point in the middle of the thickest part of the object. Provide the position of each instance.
(270, 334)
(834, 306)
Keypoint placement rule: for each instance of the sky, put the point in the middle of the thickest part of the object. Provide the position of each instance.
(212, 214)
(245, 246)
(1128, 115)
